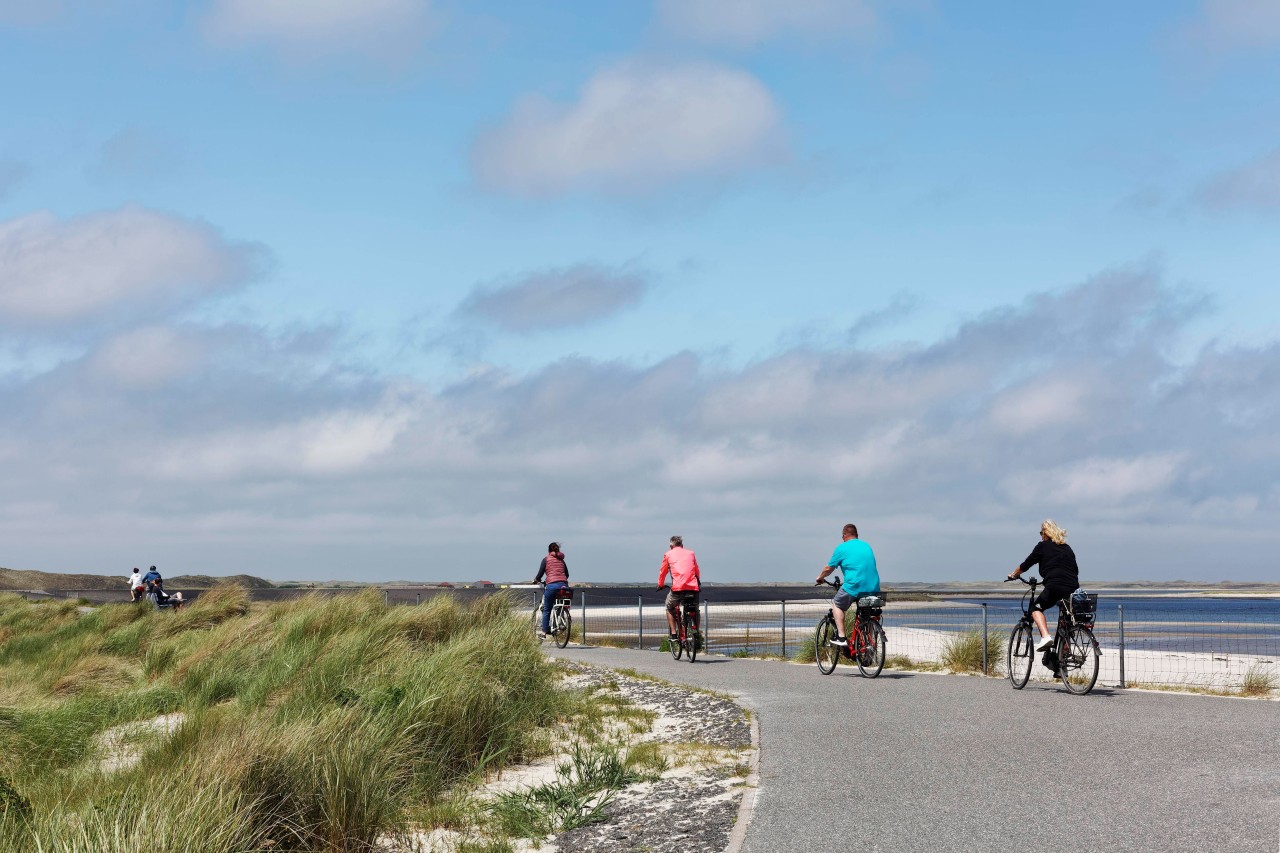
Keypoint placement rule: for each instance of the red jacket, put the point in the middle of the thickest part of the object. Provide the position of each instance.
(683, 565)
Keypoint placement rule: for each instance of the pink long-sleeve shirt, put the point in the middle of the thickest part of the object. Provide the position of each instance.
(683, 566)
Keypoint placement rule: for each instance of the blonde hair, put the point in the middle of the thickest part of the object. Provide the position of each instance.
(1055, 533)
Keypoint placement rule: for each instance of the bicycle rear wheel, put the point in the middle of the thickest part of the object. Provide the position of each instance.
(561, 628)
(1078, 668)
(1020, 656)
(826, 655)
(871, 658)
(691, 636)
(677, 647)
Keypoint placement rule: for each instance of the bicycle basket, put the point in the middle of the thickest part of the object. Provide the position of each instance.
(565, 594)
(871, 602)
(1084, 607)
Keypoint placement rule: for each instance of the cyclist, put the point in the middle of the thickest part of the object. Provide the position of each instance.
(1059, 572)
(556, 573)
(686, 581)
(857, 563)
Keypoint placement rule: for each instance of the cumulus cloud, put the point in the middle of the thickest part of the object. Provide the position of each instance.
(267, 452)
(746, 23)
(1232, 25)
(1254, 186)
(380, 30)
(56, 272)
(634, 129)
(556, 298)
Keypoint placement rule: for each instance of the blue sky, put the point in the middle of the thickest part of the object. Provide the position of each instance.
(405, 289)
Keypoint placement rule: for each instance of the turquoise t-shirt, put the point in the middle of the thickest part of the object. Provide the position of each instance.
(857, 563)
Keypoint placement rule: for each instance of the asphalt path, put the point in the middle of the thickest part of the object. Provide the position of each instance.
(927, 762)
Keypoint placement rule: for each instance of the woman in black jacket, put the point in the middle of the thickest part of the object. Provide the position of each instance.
(1059, 571)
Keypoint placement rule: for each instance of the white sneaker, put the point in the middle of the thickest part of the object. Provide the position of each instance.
(1044, 644)
(542, 635)
(839, 641)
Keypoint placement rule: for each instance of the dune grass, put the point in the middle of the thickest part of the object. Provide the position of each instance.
(320, 723)
(1259, 681)
(963, 653)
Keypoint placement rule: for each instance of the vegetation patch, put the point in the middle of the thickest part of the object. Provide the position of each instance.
(320, 723)
(963, 653)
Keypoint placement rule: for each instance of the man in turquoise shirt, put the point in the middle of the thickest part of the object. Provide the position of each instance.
(857, 563)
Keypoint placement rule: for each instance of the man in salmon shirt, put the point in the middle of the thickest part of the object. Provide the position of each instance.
(685, 581)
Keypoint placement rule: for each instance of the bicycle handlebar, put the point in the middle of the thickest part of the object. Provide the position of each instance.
(1031, 582)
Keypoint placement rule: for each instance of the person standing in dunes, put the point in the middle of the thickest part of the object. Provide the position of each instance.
(556, 573)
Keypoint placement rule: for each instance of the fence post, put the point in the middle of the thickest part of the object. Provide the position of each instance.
(784, 627)
(640, 622)
(1121, 645)
(706, 622)
(387, 594)
(582, 605)
(984, 638)
(417, 598)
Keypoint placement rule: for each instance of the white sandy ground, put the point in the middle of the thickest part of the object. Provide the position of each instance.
(689, 768)
(121, 746)
(1217, 670)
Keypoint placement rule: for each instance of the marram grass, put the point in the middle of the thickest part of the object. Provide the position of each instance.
(312, 724)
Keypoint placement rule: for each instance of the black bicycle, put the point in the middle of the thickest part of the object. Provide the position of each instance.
(865, 643)
(1073, 655)
(687, 636)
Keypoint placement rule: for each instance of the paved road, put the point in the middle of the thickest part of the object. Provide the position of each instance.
(924, 762)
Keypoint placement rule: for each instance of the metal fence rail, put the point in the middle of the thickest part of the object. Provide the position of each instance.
(1138, 648)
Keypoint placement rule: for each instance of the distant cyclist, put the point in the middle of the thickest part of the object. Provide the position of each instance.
(556, 573)
(135, 584)
(1059, 572)
(686, 581)
(857, 563)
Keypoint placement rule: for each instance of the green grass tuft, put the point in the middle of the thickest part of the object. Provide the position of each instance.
(1260, 680)
(963, 653)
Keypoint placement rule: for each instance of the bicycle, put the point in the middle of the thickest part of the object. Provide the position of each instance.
(866, 642)
(1074, 653)
(687, 636)
(561, 619)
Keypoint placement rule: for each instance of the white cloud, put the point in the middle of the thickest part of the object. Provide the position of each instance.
(746, 23)
(1253, 186)
(386, 31)
(634, 129)
(58, 272)
(556, 298)
(276, 456)
(1229, 25)
(148, 357)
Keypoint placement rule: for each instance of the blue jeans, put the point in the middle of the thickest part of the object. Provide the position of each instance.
(548, 598)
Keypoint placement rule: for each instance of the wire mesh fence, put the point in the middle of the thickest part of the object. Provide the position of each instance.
(1231, 647)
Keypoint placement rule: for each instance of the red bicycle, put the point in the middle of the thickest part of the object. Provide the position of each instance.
(865, 641)
(687, 636)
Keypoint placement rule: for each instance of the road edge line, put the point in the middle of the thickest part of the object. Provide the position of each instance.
(747, 808)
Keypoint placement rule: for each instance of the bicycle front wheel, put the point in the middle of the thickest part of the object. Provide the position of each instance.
(537, 621)
(1078, 669)
(1020, 655)
(691, 636)
(871, 658)
(564, 621)
(826, 655)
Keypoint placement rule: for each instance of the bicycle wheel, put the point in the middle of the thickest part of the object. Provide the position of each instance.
(677, 647)
(691, 636)
(1078, 669)
(1020, 655)
(826, 655)
(564, 621)
(871, 658)
(537, 622)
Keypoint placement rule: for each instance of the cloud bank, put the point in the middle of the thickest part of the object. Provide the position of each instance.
(244, 448)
